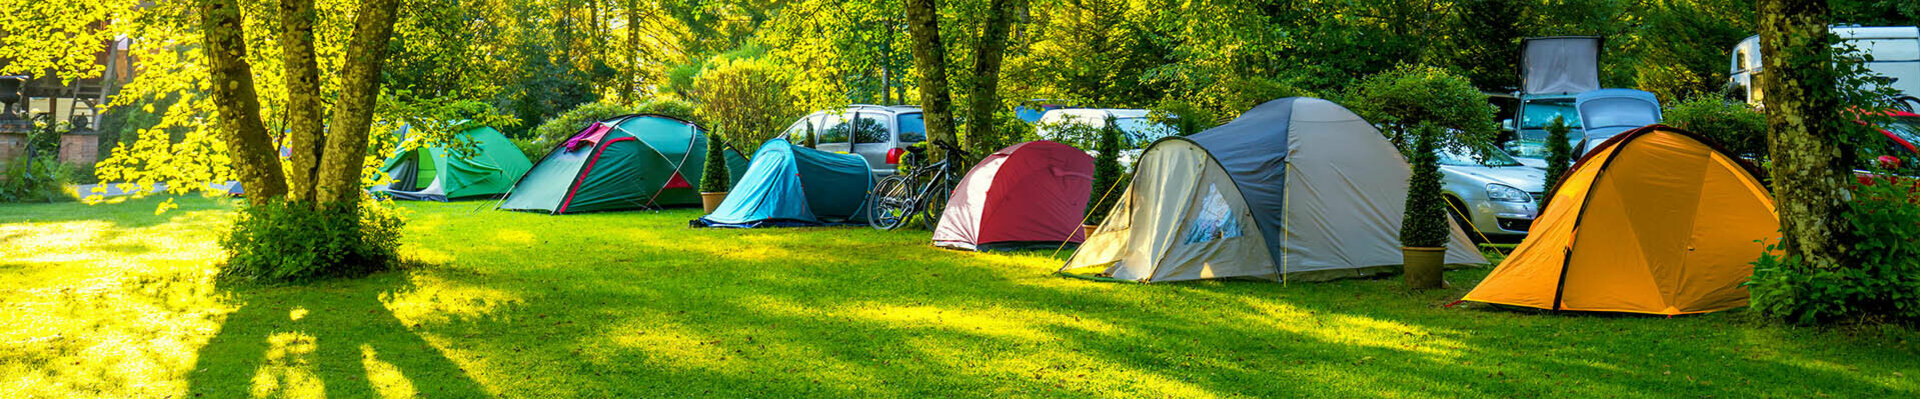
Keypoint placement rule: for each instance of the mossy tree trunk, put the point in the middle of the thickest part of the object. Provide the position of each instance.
(239, 105)
(930, 68)
(339, 178)
(1809, 172)
(985, 93)
(303, 98)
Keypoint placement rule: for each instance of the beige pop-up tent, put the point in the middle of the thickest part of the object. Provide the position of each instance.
(1297, 187)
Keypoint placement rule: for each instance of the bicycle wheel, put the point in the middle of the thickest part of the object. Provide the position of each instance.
(891, 203)
(936, 204)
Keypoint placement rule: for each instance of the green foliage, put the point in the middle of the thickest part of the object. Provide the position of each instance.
(1185, 117)
(670, 106)
(747, 100)
(1885, 283)
(1425, 223)
(713, 175)
(44, 179)
(1736, 126)
(1402, 99)
(563, 126)
(1559, 157)
(534, 148)
(1106, 174)
(277, 242)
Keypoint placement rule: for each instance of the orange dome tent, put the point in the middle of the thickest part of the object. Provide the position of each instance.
(1656, 220)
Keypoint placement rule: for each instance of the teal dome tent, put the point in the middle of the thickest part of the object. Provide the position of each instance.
(628, 162)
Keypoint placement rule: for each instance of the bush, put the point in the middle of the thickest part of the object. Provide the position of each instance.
(1106, 173)
(1884, 284)
(276, 242)
(562, 127)
(1738, 127)
(1399, 100)
(670, 106)
(534, 148)
(1425, 223)
(745, 99)
(43, 179)
(1185, 117)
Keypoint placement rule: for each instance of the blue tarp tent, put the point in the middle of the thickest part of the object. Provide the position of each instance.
(789, 185)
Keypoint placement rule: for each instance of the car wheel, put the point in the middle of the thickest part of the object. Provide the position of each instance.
(1455, 209)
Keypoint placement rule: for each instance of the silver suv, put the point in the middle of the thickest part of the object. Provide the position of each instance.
(881, 134)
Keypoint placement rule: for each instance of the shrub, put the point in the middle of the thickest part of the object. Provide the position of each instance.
(534, 148)
(1738, 127)
(669, 106)
(1425, 222)
(1885, 283)
(1185, 117)
(1401, 99)
(42, 179)
(1559, 156)
(1106, 173)
(713, 175)
(562, 127)
(277, 242)
(746, 98)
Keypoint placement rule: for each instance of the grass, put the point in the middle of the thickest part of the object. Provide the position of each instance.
(116, 301)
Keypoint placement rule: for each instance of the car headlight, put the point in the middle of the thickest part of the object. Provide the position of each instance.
(1506, 193)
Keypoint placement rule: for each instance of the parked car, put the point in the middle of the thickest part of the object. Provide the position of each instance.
(1136, 126)
(1608, 112)
(1031, 110)
(881, 134)
(1493, 193)
(1529, 127)
(1895, 51)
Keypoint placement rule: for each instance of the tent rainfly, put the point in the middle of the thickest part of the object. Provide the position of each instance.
(1031, 194)
(480, 162)
(789, 185)
(1656, 221)
(1296, 188)
(628, 162)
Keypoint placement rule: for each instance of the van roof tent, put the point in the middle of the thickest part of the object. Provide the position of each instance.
(1559, 64)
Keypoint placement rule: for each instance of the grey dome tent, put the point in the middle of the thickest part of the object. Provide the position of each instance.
(1216, 204)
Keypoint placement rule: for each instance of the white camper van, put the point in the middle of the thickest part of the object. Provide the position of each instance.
(1895, 50)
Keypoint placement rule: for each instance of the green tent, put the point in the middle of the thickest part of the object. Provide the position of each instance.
(478, 161)
(628, 162)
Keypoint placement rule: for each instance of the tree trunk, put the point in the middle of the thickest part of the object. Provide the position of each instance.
(346, 151)
(633, 53)
(252, 151)
(304, 110)
(985, 93)
(1810, 180)
(930, 66)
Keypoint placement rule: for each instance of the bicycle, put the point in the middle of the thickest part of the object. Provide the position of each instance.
(896, 199)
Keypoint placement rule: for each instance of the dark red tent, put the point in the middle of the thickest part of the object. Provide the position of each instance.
(1033, 194)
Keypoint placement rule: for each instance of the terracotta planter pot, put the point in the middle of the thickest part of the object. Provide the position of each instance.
(1424, 267)
(1087, 230)
(711, 201)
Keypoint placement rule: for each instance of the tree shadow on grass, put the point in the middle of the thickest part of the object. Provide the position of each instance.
(335, 338)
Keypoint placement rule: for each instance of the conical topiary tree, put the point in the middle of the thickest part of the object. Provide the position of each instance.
(713, 175)
(1559, 157)
(1424, 227)
(1106, 173)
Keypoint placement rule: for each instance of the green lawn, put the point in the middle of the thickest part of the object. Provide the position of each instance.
(116, 301)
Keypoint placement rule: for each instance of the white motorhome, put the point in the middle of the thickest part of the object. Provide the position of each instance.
(1895, 50)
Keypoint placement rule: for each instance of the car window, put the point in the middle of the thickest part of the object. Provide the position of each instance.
(798, 131)
(1141, 131)
(1613, 112)
(1907, 127)
(1538, 114)
(1468, 158)
(871, 128)
(833, 129)
(913, 128)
